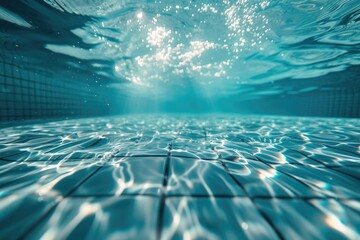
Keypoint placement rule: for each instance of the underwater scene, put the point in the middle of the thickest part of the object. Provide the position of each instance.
(179, 119)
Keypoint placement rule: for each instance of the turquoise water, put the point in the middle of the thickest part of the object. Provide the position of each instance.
(181, 177)
(124, 119)
(298, 57)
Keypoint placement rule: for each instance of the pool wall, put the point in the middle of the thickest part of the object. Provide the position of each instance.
(28, 91)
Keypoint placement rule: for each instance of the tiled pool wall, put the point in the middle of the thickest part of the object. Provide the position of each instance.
(32, 88)
(28, 91)
(339, 102)
(333, 95)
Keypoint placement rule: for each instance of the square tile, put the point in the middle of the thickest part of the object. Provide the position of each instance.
(260, 180)
(324, 181)
(298, 219)
(49, 180)
(135, 175)
(200, 177)
(19, 212)
(100, 218)
(214, 218)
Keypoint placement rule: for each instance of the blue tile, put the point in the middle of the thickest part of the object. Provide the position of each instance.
(136, 175)
(260, 180)
(203, 177)
(100, 218)
(298, 219)
(324, 180)
(214, 218)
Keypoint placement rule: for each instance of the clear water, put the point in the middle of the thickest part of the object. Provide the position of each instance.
(210, 170)
(211, 55)
(167, 177)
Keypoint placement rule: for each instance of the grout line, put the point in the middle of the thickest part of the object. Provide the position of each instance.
(265, 217)
(73, 160)
(353, 153)
(38, 221)
(346, 174)
(321, 163)
(110, 195)
(160, 219)
(212, 196)
(28, 231)
(323, 166)
(287, 174)
(163, 196)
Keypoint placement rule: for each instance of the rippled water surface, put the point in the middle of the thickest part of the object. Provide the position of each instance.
(218, 48)
(179, 176)
(211, 177)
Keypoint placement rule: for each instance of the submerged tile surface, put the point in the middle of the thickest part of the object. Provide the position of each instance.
(181, 177)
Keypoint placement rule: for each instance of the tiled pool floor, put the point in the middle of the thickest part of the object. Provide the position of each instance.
(178, 177)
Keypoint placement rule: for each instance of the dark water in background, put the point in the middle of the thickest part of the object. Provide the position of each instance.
(298, 57)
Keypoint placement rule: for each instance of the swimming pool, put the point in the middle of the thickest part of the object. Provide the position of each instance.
(157, 119)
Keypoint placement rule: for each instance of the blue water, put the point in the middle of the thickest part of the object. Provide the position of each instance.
(246, 56)
(178, 176)
(166, 119)
(181, 177)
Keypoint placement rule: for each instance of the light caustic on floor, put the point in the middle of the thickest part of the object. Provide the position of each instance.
(181, 177)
